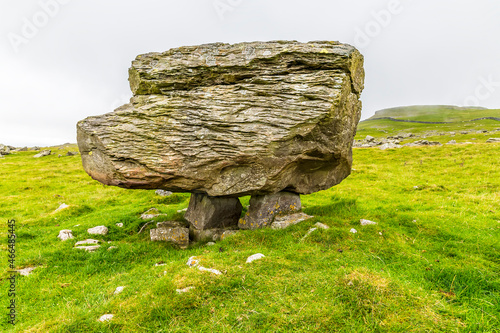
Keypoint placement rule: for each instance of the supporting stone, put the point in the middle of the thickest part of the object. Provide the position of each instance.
(264, 208)
(206, 212)
(172, 231)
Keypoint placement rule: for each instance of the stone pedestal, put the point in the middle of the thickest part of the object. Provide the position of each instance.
(206, 212)
(264, 208)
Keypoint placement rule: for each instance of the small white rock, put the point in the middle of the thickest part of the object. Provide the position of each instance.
(185, 290)
(321, 226)
(106, 317)
(380, 233)
(367, 222)
(118, 290)
(182, 210)
(192, 262)
(88, 248)
(65, 235)
(99, 230)
(111, 248)
(87, 241)
(211, 270)
(210, 243)
(119, 225)
(254, 257)
(156, 265)
(61, 207)
(26, 271)
(353, 231)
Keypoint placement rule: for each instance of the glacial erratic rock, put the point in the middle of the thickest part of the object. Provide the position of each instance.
(231, 120)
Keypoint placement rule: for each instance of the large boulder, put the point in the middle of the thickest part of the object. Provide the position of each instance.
(231, 120)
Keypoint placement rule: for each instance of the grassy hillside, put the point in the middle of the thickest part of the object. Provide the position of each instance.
(459, 121)
(431, 264)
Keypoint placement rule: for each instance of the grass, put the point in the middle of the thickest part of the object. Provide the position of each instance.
(431, 264)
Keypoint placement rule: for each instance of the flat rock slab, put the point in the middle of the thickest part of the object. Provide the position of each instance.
(264, 208)
(99, 230)
(205, 212)
(43, 153)
(283, 222)
(173, 232)
(231, 120)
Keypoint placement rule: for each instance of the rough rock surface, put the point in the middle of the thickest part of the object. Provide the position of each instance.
(172, 231)
(205, 212)
(65, 235)
(231, 120)
(43, 153)
(99, 230)
(264, 208)
(283, 222)
(4, 150)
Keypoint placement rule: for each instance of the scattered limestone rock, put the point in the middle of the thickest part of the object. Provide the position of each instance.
(185, 290)
(264, 208)
(163, 193)
(43, 153)
(369, 138)
(171, 231)
(182, 210)
(112, 248)
(26, 271)
(211, 270)
(65, 235)
(118, 290)
(389, 146)
(320, 225)
(493, 140)
(451, 142)
(119, 225)
(254, 257)
(4, 150)
(367, 222)
(99, 230)
(353, 231)
(283, 222)
(87, 242)
(88, 248)
(206, 212)
(61, 207)
(106, 317)
(72, 153)
(210, 244)
(151, 214)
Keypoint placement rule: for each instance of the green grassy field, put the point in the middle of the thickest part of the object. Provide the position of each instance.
(431, 264)
(459, 118)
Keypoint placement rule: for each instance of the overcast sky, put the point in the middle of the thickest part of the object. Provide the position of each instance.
(64, 60)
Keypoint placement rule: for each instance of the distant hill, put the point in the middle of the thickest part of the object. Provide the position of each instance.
(435, 113)
(428, 119)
